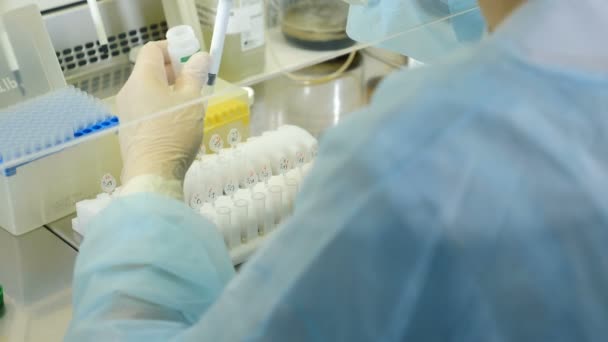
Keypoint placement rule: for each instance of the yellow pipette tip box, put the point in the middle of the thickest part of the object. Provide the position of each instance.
(227, 118)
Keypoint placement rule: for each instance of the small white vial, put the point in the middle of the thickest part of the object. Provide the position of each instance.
(276, 198)
(182, 44)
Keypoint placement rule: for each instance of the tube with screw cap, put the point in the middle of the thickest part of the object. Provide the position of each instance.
(276, 198)
(263, 219)
(241, 208)
(181, 44)
(224, 224)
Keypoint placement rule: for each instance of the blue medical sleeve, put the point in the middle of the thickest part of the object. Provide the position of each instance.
(148, 269)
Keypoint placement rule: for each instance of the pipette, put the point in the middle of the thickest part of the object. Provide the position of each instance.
(11, 58)
(217, 41)
(98, 22)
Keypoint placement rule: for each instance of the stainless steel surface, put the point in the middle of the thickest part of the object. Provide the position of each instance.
(36, 273)
(272, 106)
(318, 105)
(63, 229)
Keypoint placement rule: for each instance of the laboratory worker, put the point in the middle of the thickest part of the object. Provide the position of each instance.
(468, 202)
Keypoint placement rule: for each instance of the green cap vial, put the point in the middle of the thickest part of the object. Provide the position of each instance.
(1, 301)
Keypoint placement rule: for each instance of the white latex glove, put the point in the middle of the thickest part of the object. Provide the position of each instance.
(159, 150)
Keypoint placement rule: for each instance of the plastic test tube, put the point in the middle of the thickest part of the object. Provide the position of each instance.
(223, 201)
(255, 151)
(276, 199)
(209, 181)
(191, 183)
(281, 182)
(240, 165)
(249, 177)
(263, 219)
(304, 138)
(241, 208)
(292, 190)
(208, 212)
(224, 223)
(291, 146)
(272, 148)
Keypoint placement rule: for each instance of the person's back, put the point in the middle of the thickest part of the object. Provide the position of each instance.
(502, 157)
(467, 203)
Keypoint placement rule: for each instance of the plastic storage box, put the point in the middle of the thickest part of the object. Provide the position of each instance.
(47, 189)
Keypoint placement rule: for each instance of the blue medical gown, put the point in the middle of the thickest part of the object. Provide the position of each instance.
(469, 202)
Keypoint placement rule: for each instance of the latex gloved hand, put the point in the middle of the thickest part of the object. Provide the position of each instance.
(158, 144)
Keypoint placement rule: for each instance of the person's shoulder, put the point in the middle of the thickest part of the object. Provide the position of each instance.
(412, 106)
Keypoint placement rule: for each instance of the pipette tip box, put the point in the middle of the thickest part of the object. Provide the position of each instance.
(46, 165)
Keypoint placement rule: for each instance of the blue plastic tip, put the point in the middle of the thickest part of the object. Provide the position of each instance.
(78, 134)
(114, 119)
(96, 127)
(87, 131)
(10, 172)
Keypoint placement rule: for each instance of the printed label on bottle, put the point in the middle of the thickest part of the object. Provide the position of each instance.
(196, 202)
(247, 20)
(108, 183)
(254, 36)
(216, 143)
(234, 137)
(265, 173)
(211, 194)
(300, 158)
(252, 179)
(230, 188)
(284, 165)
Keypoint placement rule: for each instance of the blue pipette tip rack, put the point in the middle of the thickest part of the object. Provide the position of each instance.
(47, 122)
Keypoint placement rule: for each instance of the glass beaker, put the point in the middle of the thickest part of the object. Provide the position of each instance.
(315, 24)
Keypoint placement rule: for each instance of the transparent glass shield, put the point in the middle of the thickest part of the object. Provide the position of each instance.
(422, 29)
(68, 117)
(302, 33)
(28, 66)
(64, 147)
(60, 145)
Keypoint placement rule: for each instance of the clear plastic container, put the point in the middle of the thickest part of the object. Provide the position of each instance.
(245, 45)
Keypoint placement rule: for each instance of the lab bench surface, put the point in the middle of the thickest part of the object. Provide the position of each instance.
(36, 274)
(63, 229)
